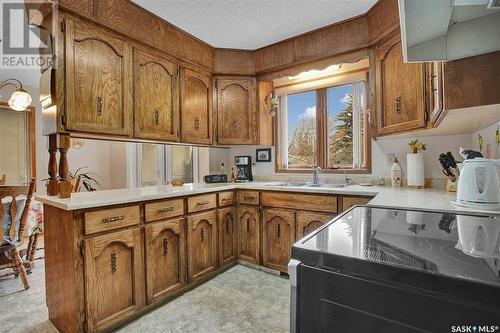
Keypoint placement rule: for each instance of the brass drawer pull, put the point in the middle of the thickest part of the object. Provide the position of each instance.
(249, 197)
(202, 203)
(113, 219)
(226, 199)
(99, 106)
(113, 262)
(165, 209)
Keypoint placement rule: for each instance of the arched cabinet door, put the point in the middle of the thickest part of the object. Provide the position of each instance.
(236, 111)
(156, 97)
(202, 245)
(114, 277)
(278, 234)
(98, 67)
(227, 235)
(307, 222)
(196, 107)
(248, 234)
(165, 258)
(400, 90)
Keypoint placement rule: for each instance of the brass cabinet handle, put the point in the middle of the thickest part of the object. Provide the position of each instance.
(196, 122)
(165, 246)
(202, 203)
(432, 82)
(99, 106)
(398, 104)
(165, 209)
(248, 226)
(113, 219)
(202, 234)
(278, 229)
(156, 116)
(113, 262)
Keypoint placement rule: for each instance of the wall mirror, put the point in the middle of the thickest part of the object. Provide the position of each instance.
(17, 145)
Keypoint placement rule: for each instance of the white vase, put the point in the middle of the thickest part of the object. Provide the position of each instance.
(415, 172)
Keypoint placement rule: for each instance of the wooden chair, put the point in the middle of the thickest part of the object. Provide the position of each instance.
(9, 246)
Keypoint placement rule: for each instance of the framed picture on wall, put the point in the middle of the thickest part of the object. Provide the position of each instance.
(263, 155)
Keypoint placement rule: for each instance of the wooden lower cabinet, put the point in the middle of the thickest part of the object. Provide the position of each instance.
(201, 245)
(307, 222)
(114, 278)
(348, 202)
(227, 235)
(278, 234)
(165, 258)
(249, 234)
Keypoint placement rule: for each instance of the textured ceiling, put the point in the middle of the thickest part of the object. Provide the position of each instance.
(251, 24)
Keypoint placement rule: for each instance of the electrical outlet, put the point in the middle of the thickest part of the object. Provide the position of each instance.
(390, 158)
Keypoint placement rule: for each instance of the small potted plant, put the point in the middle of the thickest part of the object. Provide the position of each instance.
(416, 146)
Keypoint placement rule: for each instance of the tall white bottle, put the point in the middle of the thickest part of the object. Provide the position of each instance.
(396, 174)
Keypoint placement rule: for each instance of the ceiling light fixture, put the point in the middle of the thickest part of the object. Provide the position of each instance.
(315, 72)
(20, 99)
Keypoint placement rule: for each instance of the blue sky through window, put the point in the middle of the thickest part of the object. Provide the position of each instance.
(303, 105)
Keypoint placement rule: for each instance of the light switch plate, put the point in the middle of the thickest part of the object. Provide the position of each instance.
(390, 158)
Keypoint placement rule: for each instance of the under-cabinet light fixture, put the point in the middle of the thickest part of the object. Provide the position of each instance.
(315, 72)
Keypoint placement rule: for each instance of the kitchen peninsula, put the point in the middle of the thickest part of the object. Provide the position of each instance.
(105, 245)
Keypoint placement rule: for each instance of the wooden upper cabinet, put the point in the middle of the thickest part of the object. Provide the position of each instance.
(202, 245)
(236, 111)
(278, 234)
(114, 278)
(249, 234)
(98, 92)
(165, 258)
(196, 108)
(156, 97)
(227, 235)
(399, 90)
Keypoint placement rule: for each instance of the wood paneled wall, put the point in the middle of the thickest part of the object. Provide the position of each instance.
(341, 38)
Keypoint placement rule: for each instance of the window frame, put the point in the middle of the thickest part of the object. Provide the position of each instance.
(322, 133)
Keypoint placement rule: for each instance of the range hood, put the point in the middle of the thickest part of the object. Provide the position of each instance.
(440, 30)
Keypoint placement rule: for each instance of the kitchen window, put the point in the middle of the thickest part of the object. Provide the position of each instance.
(325, 126)
(157, 164)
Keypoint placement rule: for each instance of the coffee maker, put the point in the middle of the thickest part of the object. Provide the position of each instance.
(243, 168)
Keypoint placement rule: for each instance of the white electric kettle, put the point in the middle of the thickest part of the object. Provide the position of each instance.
(478, 184)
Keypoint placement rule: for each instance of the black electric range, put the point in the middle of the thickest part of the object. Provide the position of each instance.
(392, 270)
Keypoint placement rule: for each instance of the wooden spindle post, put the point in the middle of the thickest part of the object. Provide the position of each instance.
(65, 187)
(52, 185)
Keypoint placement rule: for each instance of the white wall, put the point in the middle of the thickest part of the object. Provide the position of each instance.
(491, 149)
(381, 147)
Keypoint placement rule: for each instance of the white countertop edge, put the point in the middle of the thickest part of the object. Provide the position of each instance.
(419, 199)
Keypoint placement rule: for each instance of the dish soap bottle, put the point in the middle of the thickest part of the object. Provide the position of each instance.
(396, 173)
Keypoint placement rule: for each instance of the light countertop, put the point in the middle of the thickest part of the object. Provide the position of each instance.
(391, 197)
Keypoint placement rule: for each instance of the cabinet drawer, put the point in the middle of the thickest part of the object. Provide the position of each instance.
(164, 209)
(226, 198)
(201, 202)
(110, 219)
(348, 202)
(248, 197)
(320, 203)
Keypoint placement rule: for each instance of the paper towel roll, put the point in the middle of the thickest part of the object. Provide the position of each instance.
(415, 172)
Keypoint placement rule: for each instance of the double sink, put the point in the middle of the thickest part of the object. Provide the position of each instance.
(319, 185)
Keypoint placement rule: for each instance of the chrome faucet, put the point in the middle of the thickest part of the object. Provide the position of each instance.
(316, 172)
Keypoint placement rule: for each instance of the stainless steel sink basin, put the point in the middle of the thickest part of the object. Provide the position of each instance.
(323, 185)
(288, 184)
